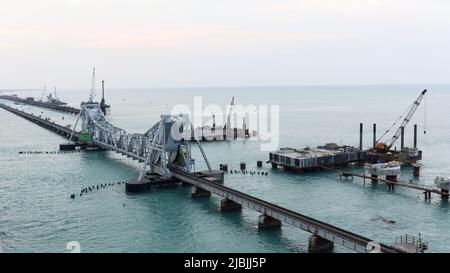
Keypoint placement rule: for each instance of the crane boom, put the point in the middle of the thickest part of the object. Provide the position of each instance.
(410, 112)
(43, 93)
(229, 113)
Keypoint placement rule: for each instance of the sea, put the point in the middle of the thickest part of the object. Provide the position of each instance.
(38, 215)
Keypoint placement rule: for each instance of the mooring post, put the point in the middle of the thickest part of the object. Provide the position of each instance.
(360, 136)
(374, 134)
(225, 168)
(416, 170)
(402, 138)
(415, 135)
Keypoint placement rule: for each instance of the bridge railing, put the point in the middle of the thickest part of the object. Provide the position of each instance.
(411, 239)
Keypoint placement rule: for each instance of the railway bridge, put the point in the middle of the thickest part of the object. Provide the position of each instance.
(166, 158)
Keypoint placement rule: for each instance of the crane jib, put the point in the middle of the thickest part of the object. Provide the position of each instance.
(410, 112)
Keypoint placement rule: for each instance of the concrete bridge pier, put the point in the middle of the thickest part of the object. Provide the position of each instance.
(199, 192)
(416, 170)
(392, 178)
(374, 178)
(318, 244)
(229, 205)
(265, 221)
(445, 195)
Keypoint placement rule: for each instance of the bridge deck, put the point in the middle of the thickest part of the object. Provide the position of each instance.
(59, 129)
(399, 183)
(337, 235)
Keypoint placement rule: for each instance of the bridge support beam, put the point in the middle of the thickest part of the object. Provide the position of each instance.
(318, 244)
(199, 192)
(265, 221)
(229, 205)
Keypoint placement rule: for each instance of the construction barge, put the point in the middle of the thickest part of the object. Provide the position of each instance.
(333, 155)
(300, 160)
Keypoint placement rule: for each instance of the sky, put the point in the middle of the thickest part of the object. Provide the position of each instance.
(174, 43)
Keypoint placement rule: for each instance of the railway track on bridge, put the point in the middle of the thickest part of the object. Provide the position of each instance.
(50, 125)
(337, 235)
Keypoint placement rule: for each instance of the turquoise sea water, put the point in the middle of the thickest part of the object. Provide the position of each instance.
(37, 214)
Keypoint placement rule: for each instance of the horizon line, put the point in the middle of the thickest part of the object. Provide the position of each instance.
(235, 86)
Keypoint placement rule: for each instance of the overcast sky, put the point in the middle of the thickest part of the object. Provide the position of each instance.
(147, 43)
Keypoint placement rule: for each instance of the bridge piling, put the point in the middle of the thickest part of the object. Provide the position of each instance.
(199, 192)
(265, 222)
(374, 178)
(416, 170)
(317, 244)
(229, 205)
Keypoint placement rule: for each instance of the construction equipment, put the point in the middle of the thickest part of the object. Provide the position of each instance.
(56, 96)
(103, 104)
(407, 115)
(228, 125)
(92, 94)
(43, 93)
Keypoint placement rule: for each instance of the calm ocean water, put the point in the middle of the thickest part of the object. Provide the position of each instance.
(37, 214)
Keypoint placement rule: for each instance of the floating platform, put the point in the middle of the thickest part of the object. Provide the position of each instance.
(313, 158)
(70, 147)
(151, 179)
(154, 179)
